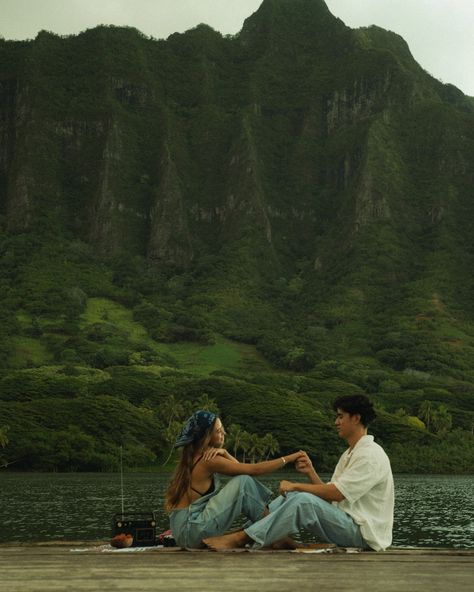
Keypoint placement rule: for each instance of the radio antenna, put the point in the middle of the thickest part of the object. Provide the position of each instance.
(121, 479)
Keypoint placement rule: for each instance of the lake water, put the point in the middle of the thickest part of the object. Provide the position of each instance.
(431, 510)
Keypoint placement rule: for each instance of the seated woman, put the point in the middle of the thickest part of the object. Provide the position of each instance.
(198, 507)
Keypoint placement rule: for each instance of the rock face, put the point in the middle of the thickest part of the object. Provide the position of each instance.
(170, 239)
(288, 136)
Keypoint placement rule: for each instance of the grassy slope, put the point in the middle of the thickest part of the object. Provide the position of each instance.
(224, 354)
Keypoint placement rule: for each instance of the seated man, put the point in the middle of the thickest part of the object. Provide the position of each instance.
(355, 509)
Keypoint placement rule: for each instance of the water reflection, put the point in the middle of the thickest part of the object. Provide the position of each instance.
(433, 510)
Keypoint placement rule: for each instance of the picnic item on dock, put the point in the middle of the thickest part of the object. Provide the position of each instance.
(122, 541)
(140, 525)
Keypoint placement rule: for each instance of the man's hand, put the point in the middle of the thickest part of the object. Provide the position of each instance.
(304, 464)
(285, 487)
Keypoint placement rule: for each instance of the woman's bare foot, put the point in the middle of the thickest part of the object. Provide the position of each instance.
(234, 540)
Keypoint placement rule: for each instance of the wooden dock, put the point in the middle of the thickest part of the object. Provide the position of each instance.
(88, 567)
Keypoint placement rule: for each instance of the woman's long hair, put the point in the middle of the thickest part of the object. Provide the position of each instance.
(181, 480)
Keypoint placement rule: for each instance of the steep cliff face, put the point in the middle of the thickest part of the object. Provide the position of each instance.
(19, 142)
(170, 240)
(298, 136)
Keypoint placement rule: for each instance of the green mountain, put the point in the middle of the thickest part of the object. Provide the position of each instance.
(272, 219)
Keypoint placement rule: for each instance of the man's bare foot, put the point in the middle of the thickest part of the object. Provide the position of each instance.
(234, 540)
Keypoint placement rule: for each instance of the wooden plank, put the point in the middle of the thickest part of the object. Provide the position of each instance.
(26, 568)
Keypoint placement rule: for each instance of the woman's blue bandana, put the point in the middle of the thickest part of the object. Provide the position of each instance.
(195, 428)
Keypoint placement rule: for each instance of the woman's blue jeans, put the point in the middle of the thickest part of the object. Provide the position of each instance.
(213, 514)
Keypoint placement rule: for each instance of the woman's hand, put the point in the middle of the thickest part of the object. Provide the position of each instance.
(304, 464)
(211, 453)
(285, 487)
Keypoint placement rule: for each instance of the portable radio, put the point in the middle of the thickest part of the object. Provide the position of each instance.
(141, 525)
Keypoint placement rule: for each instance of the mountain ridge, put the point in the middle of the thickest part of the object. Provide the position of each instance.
(302, 188)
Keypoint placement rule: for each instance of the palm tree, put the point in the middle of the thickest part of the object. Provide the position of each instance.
(245, 443)
(171, 433)
(261, 448)
(254, 446)
(3, 435)
(271, 445)
(170, 410)
(3, 443)
(234, 436)
(207, 404)
(426, 413)
(442, 420)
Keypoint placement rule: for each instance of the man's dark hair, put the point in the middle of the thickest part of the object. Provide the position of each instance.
(356, 404)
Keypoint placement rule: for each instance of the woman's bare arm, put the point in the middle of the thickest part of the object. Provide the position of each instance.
(220, 464)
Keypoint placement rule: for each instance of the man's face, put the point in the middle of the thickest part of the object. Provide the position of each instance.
(346, 424)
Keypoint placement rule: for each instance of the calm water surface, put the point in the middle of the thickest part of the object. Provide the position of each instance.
(431, 510)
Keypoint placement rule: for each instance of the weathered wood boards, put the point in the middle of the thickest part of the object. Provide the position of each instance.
(52, 568)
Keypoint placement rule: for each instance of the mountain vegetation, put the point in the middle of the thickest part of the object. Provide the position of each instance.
(268, 220)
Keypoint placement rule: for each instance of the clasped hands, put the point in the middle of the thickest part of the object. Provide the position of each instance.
(301, 459)
(303, 465)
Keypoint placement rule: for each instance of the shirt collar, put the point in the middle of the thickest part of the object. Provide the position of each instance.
(367, 439)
